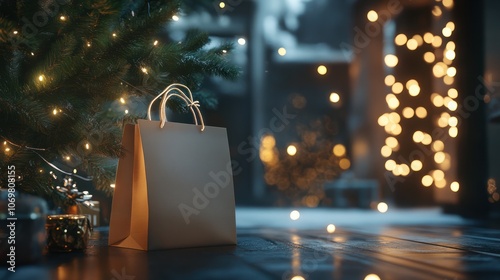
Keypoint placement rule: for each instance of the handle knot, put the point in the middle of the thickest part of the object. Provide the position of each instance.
(174, 90)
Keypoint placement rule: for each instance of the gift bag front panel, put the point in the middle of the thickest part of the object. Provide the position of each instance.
(190, 185)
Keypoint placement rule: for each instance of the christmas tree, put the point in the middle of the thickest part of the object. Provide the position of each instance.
(72, 72)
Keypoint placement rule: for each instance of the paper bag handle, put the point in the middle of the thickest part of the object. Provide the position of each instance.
(174, 90)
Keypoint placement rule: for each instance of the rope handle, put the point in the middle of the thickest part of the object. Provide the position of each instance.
(175, 90)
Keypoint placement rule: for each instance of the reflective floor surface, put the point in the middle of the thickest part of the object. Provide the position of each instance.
(410, 244)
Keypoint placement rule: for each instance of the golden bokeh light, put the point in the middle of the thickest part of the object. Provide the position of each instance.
(437, 41)
(410, 83)
(418, 136)
(386, 151)
(451, 25)
(339, 150)
(419, 39)
(436, 11)
(382, 207)
(322, 70)
(447, 80)
(428, 37)
(437, 100)
(455, 186)
(437, 146)
(453, 121)
(421, 112)
(291, 150)
(391, 60)
(330, 228)
(344, 163)
(392, 101)
(448, 3)
(439, 69)
(268, 142)
(408, 112)
(400, 39)
(453, 93)
(439, 157)
(282, 51)
(427, 139)
(372, 16)
(396, 130)
(397, 88)
(389, 80)
(440, 183)
(334, 97)
(390, 165)
(449, 54)
(453, 132)
(416, 165)
(437, 175)
(429, 57)
(294, 215)
(412, 44)
(452, 71)
(404, 169)
(450, 45)
(391, 142)
(442, 122)
(427, 181)
(446, 32)
(383, 120)
(414, 90)
(372, 277)
(394, 118)
(452, 105)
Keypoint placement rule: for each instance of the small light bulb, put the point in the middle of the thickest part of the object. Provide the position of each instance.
(88, 44)
(330, 228)
(294, 215)
(222, 5)
(15, 32)
(126, 111)
(122, 100)
(144, 70)
(112, 186)
(334, 97)
(282, 51)
(32, 54)
(155, 43)
(54, 112)
(175, 18)
(68, 158)
(74, 171)
(382, 207)
(62, 18)
(87, 146)
(372, 16)
(322, 69)
(114, 34)
(242, 41)
(40, 78)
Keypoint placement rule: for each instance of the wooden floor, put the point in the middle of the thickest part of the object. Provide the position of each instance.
(411, 244)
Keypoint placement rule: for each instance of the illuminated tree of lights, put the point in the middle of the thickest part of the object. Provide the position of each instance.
(443, 99)
(300, 169)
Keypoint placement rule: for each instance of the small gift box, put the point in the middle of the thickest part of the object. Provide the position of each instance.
(66, 233)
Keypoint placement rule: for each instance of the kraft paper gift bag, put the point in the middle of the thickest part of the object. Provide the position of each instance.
(174, 185)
